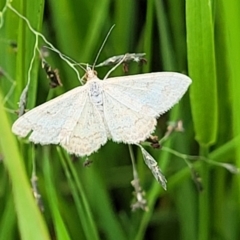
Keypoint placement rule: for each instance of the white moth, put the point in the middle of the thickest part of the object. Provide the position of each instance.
(123, 109)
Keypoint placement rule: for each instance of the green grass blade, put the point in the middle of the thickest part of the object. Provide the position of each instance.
(31, 224)
(102, 208)
(26, 41)
(201, 63)
(203, 93)
(8, 221)
(229, 35)
(148, 32)
(82, 205)
(165, 41)
(59, 225)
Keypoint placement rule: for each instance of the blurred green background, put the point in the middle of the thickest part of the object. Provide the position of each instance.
(200, 38)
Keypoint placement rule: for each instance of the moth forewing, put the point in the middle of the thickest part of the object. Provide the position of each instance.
(156, 91)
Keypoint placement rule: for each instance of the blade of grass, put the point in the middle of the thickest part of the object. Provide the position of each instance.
(31, 223)
(26, 41)
(59, 225)
(169, 62)
(102, 206)
(201, 63)
(148, 31)
(176, 17)
(203, 93)
(82, 205)
(229, 34)
(8, 221)
(124, 21)
(188, 230)
(35, 16)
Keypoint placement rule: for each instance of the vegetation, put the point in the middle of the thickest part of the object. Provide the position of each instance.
(199, 38)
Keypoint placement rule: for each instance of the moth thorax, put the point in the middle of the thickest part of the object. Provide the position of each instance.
(95, 92)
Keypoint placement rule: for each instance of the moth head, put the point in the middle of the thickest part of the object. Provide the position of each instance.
(90, 74)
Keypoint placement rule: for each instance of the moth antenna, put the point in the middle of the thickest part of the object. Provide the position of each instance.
(80, 65)
(74, 63)
(106, 38)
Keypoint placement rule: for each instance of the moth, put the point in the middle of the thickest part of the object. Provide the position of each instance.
(124, 109)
